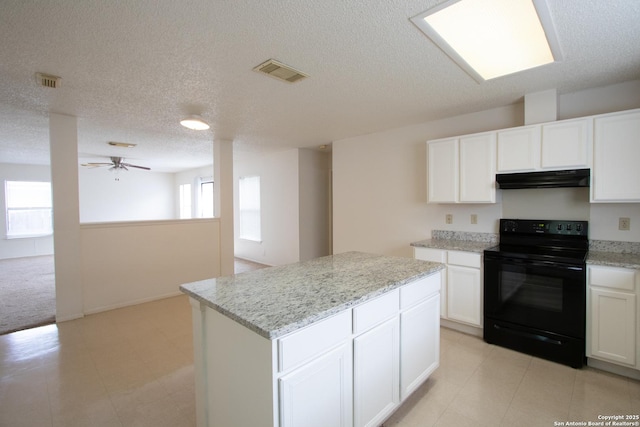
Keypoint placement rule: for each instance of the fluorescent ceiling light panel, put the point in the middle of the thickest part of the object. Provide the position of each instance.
(492, 38)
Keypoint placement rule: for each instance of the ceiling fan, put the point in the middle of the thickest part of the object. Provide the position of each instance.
(116, 164)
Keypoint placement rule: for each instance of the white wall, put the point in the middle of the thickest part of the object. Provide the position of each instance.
(133, 262)
(295, 201)
(32, 246)
(379, 202)
(279, 204)
(314, 176)
(379, 185)
(133, 195)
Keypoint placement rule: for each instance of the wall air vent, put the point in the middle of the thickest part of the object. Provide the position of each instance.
(47, 80)
(280, 71)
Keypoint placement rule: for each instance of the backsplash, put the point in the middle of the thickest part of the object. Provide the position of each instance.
(464, 235)
(614, 246)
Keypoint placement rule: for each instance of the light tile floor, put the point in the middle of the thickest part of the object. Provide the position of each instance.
(134, 367)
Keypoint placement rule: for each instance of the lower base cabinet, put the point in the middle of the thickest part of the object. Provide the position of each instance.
(613, 315)
(461, 293)
(352, 369)
(464, 294)
(420, 339)
(325, 380)
(376, 376)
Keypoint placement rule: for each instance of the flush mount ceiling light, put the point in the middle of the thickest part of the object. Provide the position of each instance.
(492, 38)
(194, 122)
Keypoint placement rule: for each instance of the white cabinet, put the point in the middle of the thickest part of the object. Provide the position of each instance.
(612, 317)
(566, 144)
(442, 170)
(462, 169)
(376, 354)
(376, 376)
(519, 149)
(478, 168)
(464, 287)
(557, 145)
(319, 393)
(616, 175)
(464, 295)
(351, 369)
(461, 297)
(420, 344)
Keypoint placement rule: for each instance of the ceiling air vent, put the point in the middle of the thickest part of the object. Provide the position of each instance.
(280, 71)
(47, 80)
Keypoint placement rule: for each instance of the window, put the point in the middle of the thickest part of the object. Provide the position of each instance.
(249, 207)
(185, 201)
(206, 198)
(29, 208)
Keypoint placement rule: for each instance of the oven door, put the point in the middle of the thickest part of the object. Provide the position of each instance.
(543, 295)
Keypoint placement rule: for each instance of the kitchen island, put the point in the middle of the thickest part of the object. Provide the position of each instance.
(341, 340)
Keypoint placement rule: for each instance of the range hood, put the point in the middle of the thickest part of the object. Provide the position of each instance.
(546, 179)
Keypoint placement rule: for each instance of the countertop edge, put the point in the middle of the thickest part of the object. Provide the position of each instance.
(454, 245)
(614, 259)
(279, 332)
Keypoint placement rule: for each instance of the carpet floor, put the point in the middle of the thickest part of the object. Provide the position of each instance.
(27, 293)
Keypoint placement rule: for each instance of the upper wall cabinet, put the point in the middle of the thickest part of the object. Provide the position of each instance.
(616, 171)
(519, 149)
(462, 170)
(442, 171)
(557, 145)
(565, 144)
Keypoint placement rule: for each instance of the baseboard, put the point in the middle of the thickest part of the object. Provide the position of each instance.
(60, 319)
(613, 368)
(461, 327)
(253, 260)
(132, 302)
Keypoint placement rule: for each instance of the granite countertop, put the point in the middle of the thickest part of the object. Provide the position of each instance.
(454, 245)
(614, 259)
(614, 253)
(277, 300)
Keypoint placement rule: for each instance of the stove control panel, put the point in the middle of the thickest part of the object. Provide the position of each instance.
(553, 227)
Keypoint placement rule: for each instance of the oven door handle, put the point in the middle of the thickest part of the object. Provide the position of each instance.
(528, 335)
(537, 263)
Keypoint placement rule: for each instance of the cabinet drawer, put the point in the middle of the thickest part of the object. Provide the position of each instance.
(419, 290)
(308, 342)
(429, 254)
(376, 311)
(465, 259)
(612, 277)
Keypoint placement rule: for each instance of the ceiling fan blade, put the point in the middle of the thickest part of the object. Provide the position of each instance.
(95, 165)
(136, 166)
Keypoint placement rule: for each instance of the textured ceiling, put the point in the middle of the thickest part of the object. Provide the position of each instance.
(132, 68)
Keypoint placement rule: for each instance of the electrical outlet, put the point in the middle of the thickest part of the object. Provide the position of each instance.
(624, 224)
(474, 219)
(449, 219)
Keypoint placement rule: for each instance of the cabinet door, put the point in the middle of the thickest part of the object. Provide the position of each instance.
(613, 326)
(319, 394)
(419, 344)
(519, 149)
(616, 175)
(436, 255)
(442, 171)
(464, 294)
(565, 144)
(376, 365)
(478, 168)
